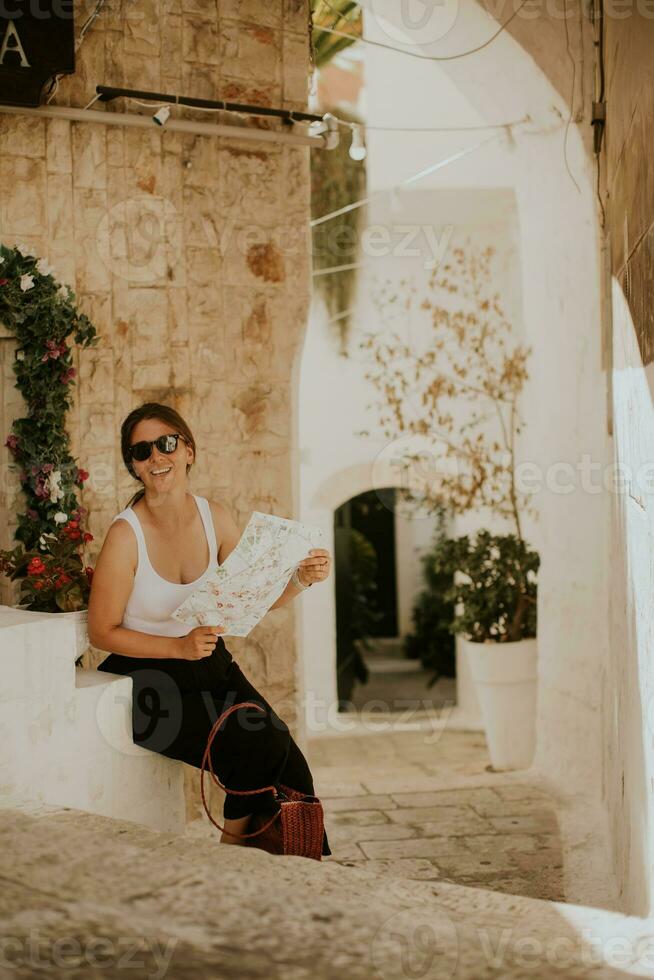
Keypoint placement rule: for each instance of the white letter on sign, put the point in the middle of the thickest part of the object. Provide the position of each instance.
(12, 34)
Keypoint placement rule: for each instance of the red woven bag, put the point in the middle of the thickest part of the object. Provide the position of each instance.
(296, 827)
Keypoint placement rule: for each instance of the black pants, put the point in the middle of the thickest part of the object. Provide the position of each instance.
(175, 703)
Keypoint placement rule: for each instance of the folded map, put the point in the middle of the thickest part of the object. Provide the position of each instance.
(238, 593)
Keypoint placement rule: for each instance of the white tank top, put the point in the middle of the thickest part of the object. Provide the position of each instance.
(154, 598)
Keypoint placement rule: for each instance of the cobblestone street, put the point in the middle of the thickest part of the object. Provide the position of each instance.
(422, 804)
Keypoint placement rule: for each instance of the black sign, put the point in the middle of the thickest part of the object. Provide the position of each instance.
(37, 41)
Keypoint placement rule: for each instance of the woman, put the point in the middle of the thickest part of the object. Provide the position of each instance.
(156, 553)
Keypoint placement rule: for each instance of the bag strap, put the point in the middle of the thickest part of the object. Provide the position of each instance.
(208, 764)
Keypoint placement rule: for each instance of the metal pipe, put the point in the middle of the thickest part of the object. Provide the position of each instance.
(174, 125)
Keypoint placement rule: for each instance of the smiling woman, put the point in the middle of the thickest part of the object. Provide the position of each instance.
(157, 551)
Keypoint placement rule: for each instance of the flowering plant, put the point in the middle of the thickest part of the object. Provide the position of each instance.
(42, 314)
(54, 575)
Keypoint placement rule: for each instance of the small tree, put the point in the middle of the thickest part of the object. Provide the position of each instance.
(460, 394)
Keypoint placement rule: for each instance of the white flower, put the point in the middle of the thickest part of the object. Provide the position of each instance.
(26, 282)
(63, 291)
(44, 267)
(60, 517)
(53, 484)
(20, 355)
(2, 258)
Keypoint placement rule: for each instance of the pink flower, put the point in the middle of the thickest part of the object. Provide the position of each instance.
(68, 375)
(54, 350)
(11, 442)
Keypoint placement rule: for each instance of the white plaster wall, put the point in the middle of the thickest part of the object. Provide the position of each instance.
(629, 677)
(412, 540)
(66, 734)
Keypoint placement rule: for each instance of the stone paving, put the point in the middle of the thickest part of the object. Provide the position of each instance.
(425, 805)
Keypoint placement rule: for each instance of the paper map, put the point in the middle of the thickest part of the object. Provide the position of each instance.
(238, 593)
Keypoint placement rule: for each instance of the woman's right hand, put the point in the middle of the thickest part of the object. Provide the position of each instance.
(198, 643)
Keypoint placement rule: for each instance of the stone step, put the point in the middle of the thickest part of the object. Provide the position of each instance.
(386, 648)
(189, 907)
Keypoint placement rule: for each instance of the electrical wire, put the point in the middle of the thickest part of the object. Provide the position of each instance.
(442, 129)
(572, 94)
(87, 23)
(414, 54)
(599, 190)
(403, 183)
(601, 99)
(601, 51)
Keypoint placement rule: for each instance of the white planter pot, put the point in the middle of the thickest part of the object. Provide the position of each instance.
(80, 622)
(505, 676)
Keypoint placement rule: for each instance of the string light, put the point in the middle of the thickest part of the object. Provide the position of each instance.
(357, 149)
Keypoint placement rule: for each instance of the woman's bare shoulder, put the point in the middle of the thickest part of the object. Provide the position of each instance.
(227, 532)
(120, 540)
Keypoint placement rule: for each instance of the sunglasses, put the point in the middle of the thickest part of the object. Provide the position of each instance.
(165, 444)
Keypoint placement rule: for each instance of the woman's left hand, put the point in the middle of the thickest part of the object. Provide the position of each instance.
(316, 567)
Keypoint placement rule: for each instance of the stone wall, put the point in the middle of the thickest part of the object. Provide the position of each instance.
(190, 254)
(627, 159)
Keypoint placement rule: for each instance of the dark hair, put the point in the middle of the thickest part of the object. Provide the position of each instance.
(151, 410)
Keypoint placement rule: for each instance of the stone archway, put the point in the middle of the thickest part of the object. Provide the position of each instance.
(527, 72)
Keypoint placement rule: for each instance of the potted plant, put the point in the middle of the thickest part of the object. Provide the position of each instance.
(494, 597)
(451, 412)
(54, 577)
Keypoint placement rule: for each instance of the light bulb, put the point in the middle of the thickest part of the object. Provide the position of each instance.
(357, 147)
(161, 116)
